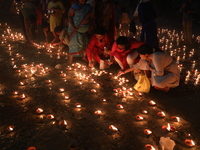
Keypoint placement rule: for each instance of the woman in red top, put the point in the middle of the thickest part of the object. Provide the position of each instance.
(124, 51)
(99, 46)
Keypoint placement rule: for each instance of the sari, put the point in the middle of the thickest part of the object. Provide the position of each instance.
(120, 55)
(78, 39)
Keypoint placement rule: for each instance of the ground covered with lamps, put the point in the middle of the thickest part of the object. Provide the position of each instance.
(47, 104)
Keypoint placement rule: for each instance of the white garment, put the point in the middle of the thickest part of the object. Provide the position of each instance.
(165, 72)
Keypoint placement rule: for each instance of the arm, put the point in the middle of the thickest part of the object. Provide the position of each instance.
(125, 71)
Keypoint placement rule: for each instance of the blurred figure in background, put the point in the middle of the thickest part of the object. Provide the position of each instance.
(189, 8)
(147, 15)
(105, 16)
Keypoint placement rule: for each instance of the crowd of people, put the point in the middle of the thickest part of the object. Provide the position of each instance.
(90, 29)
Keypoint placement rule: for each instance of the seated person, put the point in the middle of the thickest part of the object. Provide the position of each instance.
(164, 71)
(124, 51)
(98, 47)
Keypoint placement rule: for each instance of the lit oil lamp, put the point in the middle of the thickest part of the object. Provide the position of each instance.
(61, 90)
(147, 131)
(175, 118)
(80, 83)
(139, 117)
(66, 96)
(120, 106)
(189, 142)
(149, 147)
(63, 123)
(112, 127)
(93, 90)
(161, 114)
(10, 128)
(39, 110)
(22, 96)
(22, 83)
(103, 100)
(31, 148)
(16, 92)
(78, 105)
(48, 81)
(50, 116)
(168, 127)
(63, 75)
(144, 112)
(152, 103)
(98, 112)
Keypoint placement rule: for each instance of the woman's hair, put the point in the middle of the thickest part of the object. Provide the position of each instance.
(58, 29)
(100, 30)
(147, 49)
(122, 40)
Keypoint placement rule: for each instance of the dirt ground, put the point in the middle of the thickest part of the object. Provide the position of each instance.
(87, 128)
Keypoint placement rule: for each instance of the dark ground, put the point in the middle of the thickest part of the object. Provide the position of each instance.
(85, 129)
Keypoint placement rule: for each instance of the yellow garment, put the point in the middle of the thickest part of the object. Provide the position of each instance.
(56, 16)
(143, 84)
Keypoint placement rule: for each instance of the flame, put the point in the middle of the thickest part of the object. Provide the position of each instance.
(98, 112)
(168, 127)
(112, 127)
(64, 122)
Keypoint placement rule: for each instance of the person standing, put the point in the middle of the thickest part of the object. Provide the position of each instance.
(56, 11)
(81, 20)
(189, 9)
(147, 15)
(105, 16)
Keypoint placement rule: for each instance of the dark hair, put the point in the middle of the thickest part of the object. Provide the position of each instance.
(147, 49)
(122, 40)
(45, 24)
(100, 30)
(58, 29)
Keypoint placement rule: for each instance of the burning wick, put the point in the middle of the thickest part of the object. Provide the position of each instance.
(168, 128)
(50, 116)
(48, 81)
(103, 100)
(22, 83)
(39, 110)
(112, 127)
(149, 147)
(144, 112)
(139, 117)
(23, 96)
(93, 91)
(63, 123)
(189, 142)
(10, 128)
(78, 105)
(147, 131)
(177, 119)
(61, 89)
(98, 112)
(16, 92)
(152, 103)
(161, 114)
(120, 106)
(66, 96)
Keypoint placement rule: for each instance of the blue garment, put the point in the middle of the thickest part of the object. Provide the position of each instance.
(78, 40)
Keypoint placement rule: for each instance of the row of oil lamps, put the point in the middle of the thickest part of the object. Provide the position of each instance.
(22, 96)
